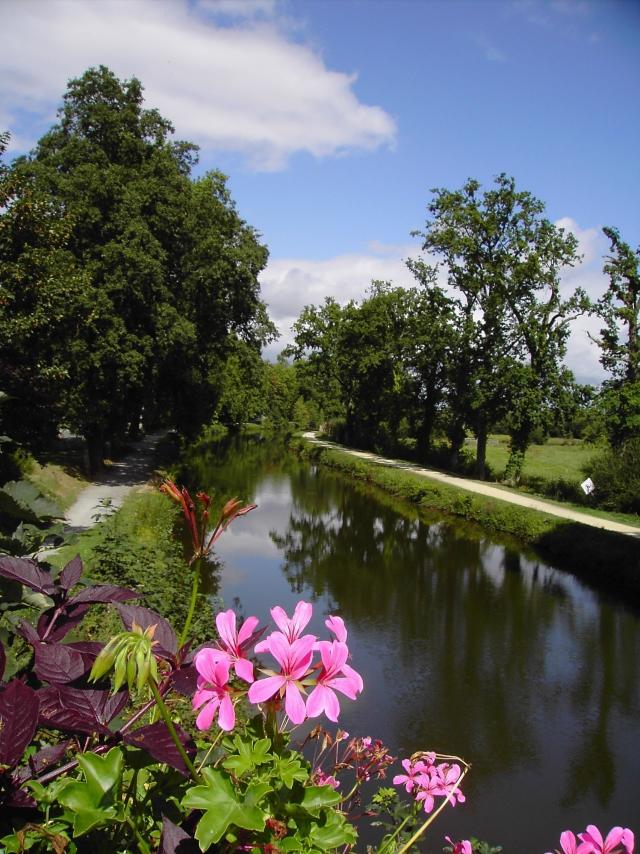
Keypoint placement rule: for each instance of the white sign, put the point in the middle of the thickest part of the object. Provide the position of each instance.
(588, 486)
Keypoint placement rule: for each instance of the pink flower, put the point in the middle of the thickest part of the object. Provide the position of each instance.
(322, 779)
(462, 847)
(592, 842)
(294, 660)
(412, 778)
(567, 843)
(337, 627)
(430, 788)
(234, 644)
(323, 698)
(448, 776)
(291, 628)
(213, 691)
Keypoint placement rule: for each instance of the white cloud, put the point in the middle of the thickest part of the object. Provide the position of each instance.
(289, 284)
(244, 87)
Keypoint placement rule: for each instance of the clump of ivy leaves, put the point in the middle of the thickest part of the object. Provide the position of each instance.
(85, 768)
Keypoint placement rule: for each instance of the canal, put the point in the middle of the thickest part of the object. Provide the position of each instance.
(467, 645)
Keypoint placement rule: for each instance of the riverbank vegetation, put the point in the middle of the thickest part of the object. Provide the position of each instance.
(605, 559)
(477, 345)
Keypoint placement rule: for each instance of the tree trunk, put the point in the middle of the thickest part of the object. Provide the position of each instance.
(518, 444)
(95, 449)
(424, 434)
(481, 449)
(457, 436)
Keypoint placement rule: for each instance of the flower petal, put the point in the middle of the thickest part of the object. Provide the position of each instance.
(206, 660)
(294, 704)
(264, 689)
(226, 625)
(244, 669)
(336, 625)
(226, 715)
(247, 629)
(205, 718)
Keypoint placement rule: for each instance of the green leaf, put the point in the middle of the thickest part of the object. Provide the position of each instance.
(249, 755)
(103, 773)
(22, 500)
(224, 807)
(335, 833)
(289, 770)
(93, 803)
(317, 797)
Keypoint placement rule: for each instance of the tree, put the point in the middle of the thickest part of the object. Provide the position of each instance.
(169, 268)
(619, 340)
(502, 261)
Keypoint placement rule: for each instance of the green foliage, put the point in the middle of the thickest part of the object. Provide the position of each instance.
(602, 557)
(128, 285)
(616, 474)
(619, 340)
(95, 802)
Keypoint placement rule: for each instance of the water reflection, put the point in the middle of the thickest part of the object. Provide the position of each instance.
(466, 645)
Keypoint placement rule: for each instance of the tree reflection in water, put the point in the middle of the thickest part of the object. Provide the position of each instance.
(466, 644)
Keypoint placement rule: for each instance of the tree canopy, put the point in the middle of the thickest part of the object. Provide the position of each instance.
(154, 275)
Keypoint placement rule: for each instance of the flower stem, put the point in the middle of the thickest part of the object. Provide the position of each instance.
(172, 730)
(197, 566)
(142, 845)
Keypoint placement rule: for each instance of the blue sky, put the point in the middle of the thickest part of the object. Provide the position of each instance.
(334, 118)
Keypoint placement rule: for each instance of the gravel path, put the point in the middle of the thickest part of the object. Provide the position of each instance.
(486, 489)
(113, 484)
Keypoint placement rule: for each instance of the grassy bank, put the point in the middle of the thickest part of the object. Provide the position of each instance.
(137, 548)
(607, 560)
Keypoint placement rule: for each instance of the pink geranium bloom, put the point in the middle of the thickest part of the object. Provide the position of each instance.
(332, 678)
(592, 842)
(294, 660)
(448, 776)
(413, 776)
(430, 788)
(462, 847)
(568, 843)
(291, 628)
(234, 644)
(337, 627)
(212, 691)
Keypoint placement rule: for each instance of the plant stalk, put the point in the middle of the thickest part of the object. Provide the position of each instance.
(197, 568)
(166, 717)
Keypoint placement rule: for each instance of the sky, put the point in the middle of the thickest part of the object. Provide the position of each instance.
(335, 118)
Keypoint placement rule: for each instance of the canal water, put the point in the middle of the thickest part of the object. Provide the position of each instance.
(467, 646)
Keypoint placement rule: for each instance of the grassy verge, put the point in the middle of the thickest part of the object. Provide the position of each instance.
(607, 560)
(56, 482)
(136, 548)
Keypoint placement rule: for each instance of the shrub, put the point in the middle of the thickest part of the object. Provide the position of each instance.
(616, 475)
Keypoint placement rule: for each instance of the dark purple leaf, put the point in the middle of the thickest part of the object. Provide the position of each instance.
(18, 720)
(15, 797)
(67, 620)
(103, 593)
(156, 740)
(40, 761)
(64, 662)
(27, 572)
(145, 617)
(26, 631)
(3, 659)
(175, 840)
(48, 756)
(184, 680)
(71, 574)
(79, 710)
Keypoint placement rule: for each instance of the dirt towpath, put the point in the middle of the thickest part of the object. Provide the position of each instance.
(114, 484)
(486, 489)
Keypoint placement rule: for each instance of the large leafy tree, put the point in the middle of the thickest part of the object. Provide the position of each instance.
(170, 266)
(44, 298)
(619, 340)
(502, 260)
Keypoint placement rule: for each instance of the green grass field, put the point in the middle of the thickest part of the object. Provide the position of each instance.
(557, 458)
